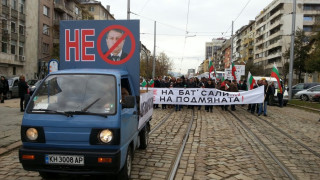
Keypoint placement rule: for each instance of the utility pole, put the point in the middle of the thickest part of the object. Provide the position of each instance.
(292, 48)
(231, 53)
(128, 10)
(154, 51)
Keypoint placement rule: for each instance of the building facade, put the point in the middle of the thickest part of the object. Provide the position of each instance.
(96, 9)
(273, 29)
(13, 37)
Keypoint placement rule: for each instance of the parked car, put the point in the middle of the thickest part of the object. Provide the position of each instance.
(308, 93)
(302, 86)
(33, 86)
(316, 97)
(13, 88)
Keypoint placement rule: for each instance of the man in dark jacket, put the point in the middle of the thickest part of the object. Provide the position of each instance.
(211, 85)
(4, 88)
(267, 93)
(23, 90)
(233, 88)
(178, 84)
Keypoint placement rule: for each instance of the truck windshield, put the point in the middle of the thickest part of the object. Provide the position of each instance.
(72, 93)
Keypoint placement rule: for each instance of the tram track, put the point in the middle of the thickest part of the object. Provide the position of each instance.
(284, 168)
(289, 136)
(287, 151)
(174, 168)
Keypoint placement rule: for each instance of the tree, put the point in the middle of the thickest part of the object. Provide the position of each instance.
(163, 65)
(256, 70)
(313, 62)
(301, 53)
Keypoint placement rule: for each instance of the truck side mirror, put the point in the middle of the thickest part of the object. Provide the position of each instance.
(128, 102)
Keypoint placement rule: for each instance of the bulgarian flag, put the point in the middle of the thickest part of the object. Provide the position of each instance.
(211, 68)
(233, 71)
(144, 83)
(275, 74)
(151, 83)
(251, 81)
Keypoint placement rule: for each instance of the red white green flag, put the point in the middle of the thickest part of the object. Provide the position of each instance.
(233, 71)
(251, 81)
(275, 74)
(211, 68)
(144, 83)
(151, 83)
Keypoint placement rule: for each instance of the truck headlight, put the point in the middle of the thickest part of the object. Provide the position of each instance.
(32, 134)
(106, 136)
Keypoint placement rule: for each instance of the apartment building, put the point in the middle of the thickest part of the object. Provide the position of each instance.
(273, 29)
(13, 37)
(213, 47)
(222, 59)
(247, 34)
(96, 9)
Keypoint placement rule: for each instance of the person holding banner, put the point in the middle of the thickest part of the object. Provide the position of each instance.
(209, 84)
(267, 92)
(178, 84)
(112, 38)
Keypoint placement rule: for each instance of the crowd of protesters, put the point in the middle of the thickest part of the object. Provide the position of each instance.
(226, 85)
(182, 82)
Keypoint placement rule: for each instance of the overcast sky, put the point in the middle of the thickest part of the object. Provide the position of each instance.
(207, 19)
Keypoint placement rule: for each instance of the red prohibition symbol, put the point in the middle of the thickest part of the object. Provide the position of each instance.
(126, 33)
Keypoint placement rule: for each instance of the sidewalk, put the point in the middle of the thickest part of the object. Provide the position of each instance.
(10, 122)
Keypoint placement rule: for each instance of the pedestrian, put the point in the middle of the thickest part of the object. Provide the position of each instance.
(233, 88)
(280, 95)
(191, 84)
(178, 85)
(267, 93)
(211, 85)
(5, 87)
(23, 90)
(165, 84)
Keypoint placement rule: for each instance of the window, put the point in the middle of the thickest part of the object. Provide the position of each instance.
(69, 17)
(13, 27)
(21, 6)
(46, 11)
(5, 2)
(91, 8)
(14, 4)
(21, 47)
(45, 48)
(13, 47)
(307, 28)
(307, 18)
(21, 27)
(76, 10)
(45, 29)
(4, 47)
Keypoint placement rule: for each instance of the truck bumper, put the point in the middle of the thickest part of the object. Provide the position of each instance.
(90, 166)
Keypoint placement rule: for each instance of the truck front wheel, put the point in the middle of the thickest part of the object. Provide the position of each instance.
(125, 172)
(144, 137)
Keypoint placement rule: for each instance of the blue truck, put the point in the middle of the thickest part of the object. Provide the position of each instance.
(86, 120)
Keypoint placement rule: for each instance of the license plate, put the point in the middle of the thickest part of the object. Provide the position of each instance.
(64, 159)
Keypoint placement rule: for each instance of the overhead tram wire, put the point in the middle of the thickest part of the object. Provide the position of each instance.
(186, 34)
(238, 16)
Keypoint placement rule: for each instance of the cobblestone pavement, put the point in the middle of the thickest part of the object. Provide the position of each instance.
(10, 121)
(218, 147)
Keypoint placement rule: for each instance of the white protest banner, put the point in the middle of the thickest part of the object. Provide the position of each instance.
(146, 107)
(205, 96)
(240, 70)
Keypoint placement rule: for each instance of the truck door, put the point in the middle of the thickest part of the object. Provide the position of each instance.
(129, 116)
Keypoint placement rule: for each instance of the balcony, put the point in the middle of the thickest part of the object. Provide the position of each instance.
(274, 55)
(278, 33)
(276, 44)
(59, 6)
(56, 22)
(275, 24)
(14, 13)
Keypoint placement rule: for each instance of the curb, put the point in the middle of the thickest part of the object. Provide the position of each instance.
(10, 147)
(305, 107)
